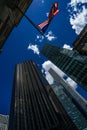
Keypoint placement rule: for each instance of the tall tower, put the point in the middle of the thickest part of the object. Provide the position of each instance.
(31, 107)
(74, 104)
(70, 62)
(72, 93)
(67, 103)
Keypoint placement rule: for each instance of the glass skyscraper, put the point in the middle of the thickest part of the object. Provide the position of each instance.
(69, 61)
(72, 92)
(79, 120)
(31, 106)
(67, 96)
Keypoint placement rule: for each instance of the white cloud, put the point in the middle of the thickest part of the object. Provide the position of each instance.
(67, 46)
(75, 2)
(79, 20)
(71, 82)
(78, 14)
(34, 48)
(49, 78)
(42, 1)
(47, 14)
(47, 65)
(50, 37)
(39, 38)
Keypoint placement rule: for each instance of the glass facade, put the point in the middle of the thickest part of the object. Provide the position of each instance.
(76, 116)
(70, 62)
(78, 99)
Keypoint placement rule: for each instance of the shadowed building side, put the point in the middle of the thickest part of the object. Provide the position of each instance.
(80, 44)
(31, 106)
(10, 16)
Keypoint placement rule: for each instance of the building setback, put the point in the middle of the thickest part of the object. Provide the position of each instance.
(70, 62)
(79, 120)
(4, 122)
(10, 16)
(71, 100)
(31, 106)
(80, 44)
(72, 92)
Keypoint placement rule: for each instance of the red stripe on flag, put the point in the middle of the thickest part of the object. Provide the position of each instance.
(43, 24)
(56, 12)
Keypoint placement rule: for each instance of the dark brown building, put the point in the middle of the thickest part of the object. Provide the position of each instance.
(80, 44)
(10, 16)
(32, 108)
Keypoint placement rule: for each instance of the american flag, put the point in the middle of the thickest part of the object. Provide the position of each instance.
(53, 12)
(43, 26)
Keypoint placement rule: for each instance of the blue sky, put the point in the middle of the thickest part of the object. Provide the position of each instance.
(25, 42)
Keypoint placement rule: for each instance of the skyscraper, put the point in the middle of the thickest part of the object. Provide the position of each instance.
(80, 44)
(69, 99)
(69, 61)
(72, 93)
(31, 107)
(10, 16)
(67, 103)
(4, 122)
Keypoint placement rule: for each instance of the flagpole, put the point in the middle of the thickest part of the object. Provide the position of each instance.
(35, 26)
